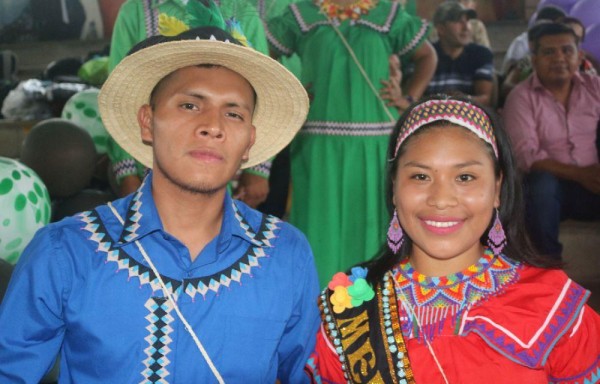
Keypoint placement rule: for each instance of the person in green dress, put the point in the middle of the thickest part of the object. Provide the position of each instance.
(338, 159)
(139, 19)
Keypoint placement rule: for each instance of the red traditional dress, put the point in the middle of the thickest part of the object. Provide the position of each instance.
(498, 321)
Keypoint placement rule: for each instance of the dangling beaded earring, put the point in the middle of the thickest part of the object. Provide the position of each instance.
(496, 237)
(395, 236)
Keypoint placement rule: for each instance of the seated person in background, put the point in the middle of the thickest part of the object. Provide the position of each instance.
(519, 47)
(523, 68)
(589, 63)
(463, 67)
(479, 33)
(552, 118)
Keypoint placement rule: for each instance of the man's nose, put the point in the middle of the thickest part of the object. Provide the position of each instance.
(211, 125)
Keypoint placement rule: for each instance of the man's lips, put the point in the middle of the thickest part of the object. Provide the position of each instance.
(206, 155)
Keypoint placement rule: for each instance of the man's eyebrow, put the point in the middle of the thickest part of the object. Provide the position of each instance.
(232, 104)
(194, 94)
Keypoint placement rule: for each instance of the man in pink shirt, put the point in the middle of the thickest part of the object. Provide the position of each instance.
(552, 119)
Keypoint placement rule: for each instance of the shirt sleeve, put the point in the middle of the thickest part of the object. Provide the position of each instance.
(324, 365)
(253, 28)
(127, 31)
(485, 70)
(521, 127)
(408, 33)
(121, 162)
(263, 169)
(298, 339)
(31, 315)
(283, 33)
(576, 356)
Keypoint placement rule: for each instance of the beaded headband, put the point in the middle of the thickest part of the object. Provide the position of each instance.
(454, 111)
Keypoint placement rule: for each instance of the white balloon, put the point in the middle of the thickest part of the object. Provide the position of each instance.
(82, 109)
(24, 207)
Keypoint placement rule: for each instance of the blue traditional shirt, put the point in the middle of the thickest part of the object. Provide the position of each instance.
(83, 288)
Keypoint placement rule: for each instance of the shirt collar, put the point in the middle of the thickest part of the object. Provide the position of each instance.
(142, 218)
(536, 84)
(235, 224)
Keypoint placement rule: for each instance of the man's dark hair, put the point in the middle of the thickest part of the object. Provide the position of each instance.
(550, 12)
(164, 80)
(548, 29)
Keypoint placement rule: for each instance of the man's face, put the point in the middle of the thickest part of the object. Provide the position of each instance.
(556, 59)
(200, 127)
(469, 4)
(455, 34)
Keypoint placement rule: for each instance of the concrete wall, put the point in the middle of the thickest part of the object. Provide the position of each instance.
(34, 57)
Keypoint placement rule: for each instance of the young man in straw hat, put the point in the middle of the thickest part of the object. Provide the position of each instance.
(177, 283)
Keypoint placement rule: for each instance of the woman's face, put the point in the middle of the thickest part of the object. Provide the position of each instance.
(445, 191)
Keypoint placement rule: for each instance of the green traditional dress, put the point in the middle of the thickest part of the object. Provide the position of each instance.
(339, 157)
(269, 9)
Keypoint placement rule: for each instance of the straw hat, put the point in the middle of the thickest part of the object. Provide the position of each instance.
(281, 106)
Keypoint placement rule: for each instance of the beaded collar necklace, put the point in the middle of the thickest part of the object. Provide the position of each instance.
(352, 11)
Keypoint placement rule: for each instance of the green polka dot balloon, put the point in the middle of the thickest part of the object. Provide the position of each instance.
(82, 110)
(24, 207)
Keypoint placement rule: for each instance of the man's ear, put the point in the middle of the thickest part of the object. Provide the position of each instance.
(581, 57)
(144, 117)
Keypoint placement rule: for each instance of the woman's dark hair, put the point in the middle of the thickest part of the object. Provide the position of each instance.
(511, 208)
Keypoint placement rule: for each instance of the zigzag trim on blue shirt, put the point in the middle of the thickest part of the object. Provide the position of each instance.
(159, 339)
(132, 219)
(261, 241)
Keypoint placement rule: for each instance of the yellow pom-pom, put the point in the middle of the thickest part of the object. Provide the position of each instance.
(340, 299)
(170, 26)
(241, 38)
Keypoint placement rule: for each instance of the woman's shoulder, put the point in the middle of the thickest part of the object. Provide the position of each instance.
(530, 316)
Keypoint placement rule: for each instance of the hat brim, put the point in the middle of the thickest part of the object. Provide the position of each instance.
(281, 107)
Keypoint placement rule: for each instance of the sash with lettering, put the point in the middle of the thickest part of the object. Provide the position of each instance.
(368, 338)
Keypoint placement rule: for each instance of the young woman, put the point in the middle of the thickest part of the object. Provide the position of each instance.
(458, 296)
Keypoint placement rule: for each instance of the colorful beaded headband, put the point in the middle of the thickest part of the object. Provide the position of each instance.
(454, 111)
